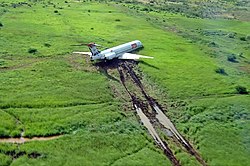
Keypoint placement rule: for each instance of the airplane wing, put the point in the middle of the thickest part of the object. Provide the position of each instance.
(83, 53)
(133, 56)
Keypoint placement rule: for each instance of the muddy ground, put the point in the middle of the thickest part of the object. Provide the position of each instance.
(147, 109)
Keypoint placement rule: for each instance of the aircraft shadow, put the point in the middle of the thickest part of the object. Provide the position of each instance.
(149, 65)
(103, 67)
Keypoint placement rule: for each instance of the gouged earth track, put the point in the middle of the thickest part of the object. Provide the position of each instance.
(147, 123)
(157, 115)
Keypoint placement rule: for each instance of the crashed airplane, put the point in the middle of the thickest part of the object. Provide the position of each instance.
(121, 52)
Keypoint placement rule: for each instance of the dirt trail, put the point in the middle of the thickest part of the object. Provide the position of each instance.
(155, 117)
(23, 139)
(149, 126)
(147, 123)
(161, 117)
(166, 122)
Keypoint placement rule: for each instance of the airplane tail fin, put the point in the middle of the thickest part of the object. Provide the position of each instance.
(93, 49)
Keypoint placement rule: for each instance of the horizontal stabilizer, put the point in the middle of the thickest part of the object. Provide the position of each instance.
(133, 56)
(83, 53)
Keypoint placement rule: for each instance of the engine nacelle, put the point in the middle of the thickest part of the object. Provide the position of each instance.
(110, 55)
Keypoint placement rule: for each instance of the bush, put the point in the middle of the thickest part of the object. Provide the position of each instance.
(241, 55)
(231, 58)
(32, 50)
(1, 24)
(243, 39)
(212, 44)
(241, 89)
(231, 35)
(117, 20)
(47, 45)
(247, 37)
(220, 71)
(56, 11)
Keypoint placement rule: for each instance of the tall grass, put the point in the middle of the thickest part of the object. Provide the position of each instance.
(45, 94)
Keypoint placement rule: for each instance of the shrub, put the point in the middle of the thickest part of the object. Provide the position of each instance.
(47, 45)
(241, 55)
(231, 58)
(32, 50)
(220, 71)
(56, 11)
(146, 9)
(117, 20)
(231, 35)
(243, 39)
(241, 89)
(212, 44)
(247, 37)
(1, 24)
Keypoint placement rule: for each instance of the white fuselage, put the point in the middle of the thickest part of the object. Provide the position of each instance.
(117, 51)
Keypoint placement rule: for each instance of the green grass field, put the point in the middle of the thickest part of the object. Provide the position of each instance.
(46, 91)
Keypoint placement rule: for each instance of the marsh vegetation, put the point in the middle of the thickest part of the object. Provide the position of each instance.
(200, 74)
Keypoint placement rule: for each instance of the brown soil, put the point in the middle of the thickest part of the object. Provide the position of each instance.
(148, 109)
(23, 139)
